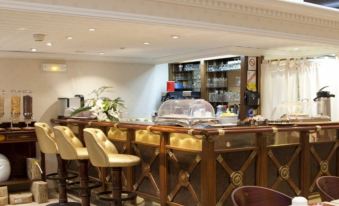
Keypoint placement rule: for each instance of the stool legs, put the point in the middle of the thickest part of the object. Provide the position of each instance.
(84, 190)
(116, 185)
(62, 182)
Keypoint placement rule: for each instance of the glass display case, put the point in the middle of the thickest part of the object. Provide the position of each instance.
(186, 112)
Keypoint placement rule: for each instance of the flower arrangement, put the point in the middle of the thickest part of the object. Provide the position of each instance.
(103, 108)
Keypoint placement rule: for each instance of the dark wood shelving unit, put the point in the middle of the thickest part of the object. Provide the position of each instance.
(235, 79)
(17, 145)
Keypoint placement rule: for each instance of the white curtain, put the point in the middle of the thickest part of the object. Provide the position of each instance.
(290, 86)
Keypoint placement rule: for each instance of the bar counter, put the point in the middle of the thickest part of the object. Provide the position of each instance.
(185, 166)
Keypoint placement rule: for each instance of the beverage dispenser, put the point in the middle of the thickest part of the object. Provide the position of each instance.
(323, 101)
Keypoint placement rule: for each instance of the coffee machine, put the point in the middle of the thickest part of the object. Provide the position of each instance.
(323, 101)
(67, 105)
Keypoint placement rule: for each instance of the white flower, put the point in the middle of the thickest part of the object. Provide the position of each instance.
(104, 108)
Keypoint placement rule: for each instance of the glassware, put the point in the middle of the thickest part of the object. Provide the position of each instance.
(27, 101)
(15, 107)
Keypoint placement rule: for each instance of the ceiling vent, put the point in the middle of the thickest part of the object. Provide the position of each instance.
(39, 37)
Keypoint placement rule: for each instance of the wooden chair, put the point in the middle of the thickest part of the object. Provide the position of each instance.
(259, 196)
(328, 187)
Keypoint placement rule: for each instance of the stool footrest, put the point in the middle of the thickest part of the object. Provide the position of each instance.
(106, 196)
(91, 185)
(65, 204)
(55, 176)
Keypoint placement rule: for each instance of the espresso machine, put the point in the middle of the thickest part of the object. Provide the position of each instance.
(323, 101)
(67, 105)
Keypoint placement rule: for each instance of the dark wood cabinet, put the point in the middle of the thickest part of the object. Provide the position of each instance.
(17, 145)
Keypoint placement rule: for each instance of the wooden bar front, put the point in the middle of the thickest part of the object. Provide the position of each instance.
(184, 166)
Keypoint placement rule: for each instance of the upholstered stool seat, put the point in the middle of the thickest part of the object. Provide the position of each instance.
(71, 148)
(47, 144)
(103, 153)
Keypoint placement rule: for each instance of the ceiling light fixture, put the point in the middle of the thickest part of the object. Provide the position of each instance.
(69, 38)
(101, 53)
(33, 50)
(54, 67)
(49, 44)
(175, 37)
(21, 29)
(147, 43)
(91, 29)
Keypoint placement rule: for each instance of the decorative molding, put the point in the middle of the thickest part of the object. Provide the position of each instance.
(249, 8)
(274, 19)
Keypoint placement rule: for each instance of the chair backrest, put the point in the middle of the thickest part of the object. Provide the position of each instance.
(46, 139)
(259, 196)
(328, 187)
(67, 142)
(99, 147)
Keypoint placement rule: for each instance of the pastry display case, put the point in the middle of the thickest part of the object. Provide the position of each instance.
(186, 112)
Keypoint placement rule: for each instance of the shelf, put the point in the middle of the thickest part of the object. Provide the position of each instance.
(176, 72)
(16, 181)
(217, 87)
(186, 89)
(183, 79)
(221, 71)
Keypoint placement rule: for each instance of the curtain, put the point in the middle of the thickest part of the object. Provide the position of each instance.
(289, 86)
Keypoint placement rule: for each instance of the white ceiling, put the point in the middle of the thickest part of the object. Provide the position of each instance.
(122, 40)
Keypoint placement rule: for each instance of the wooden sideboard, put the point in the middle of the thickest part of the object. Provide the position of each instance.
(204, 166)
(17, 145)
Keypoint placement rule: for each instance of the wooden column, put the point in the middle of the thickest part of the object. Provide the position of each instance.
(305, 163)
(164, 140)
(129, 150)
(208, 173)
(262, 164)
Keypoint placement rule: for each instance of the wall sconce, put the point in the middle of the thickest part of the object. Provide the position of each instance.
(54, 67)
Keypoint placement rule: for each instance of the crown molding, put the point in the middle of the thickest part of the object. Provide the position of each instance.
(279, 19)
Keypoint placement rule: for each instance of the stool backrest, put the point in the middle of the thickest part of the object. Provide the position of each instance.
(259, 196)
(46, 139)
(99, 147)
(328, 187)
(67, 142)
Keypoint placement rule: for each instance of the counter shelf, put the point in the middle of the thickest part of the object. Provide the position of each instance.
(189, 166)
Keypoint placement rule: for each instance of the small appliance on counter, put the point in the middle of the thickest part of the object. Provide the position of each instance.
(67, 105)
(323, 101)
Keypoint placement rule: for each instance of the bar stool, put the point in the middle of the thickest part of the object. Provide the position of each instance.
(103, 153)
(48, 145)
(71, 148)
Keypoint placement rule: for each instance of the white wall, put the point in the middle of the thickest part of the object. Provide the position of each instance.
(139, 85)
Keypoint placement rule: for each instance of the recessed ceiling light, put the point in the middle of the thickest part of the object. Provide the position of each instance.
(147, 43)
(69, 38)
(34, 49)
(101, 53)
(175, 37)
(21, 29)
(91, 29)
(49, 44)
